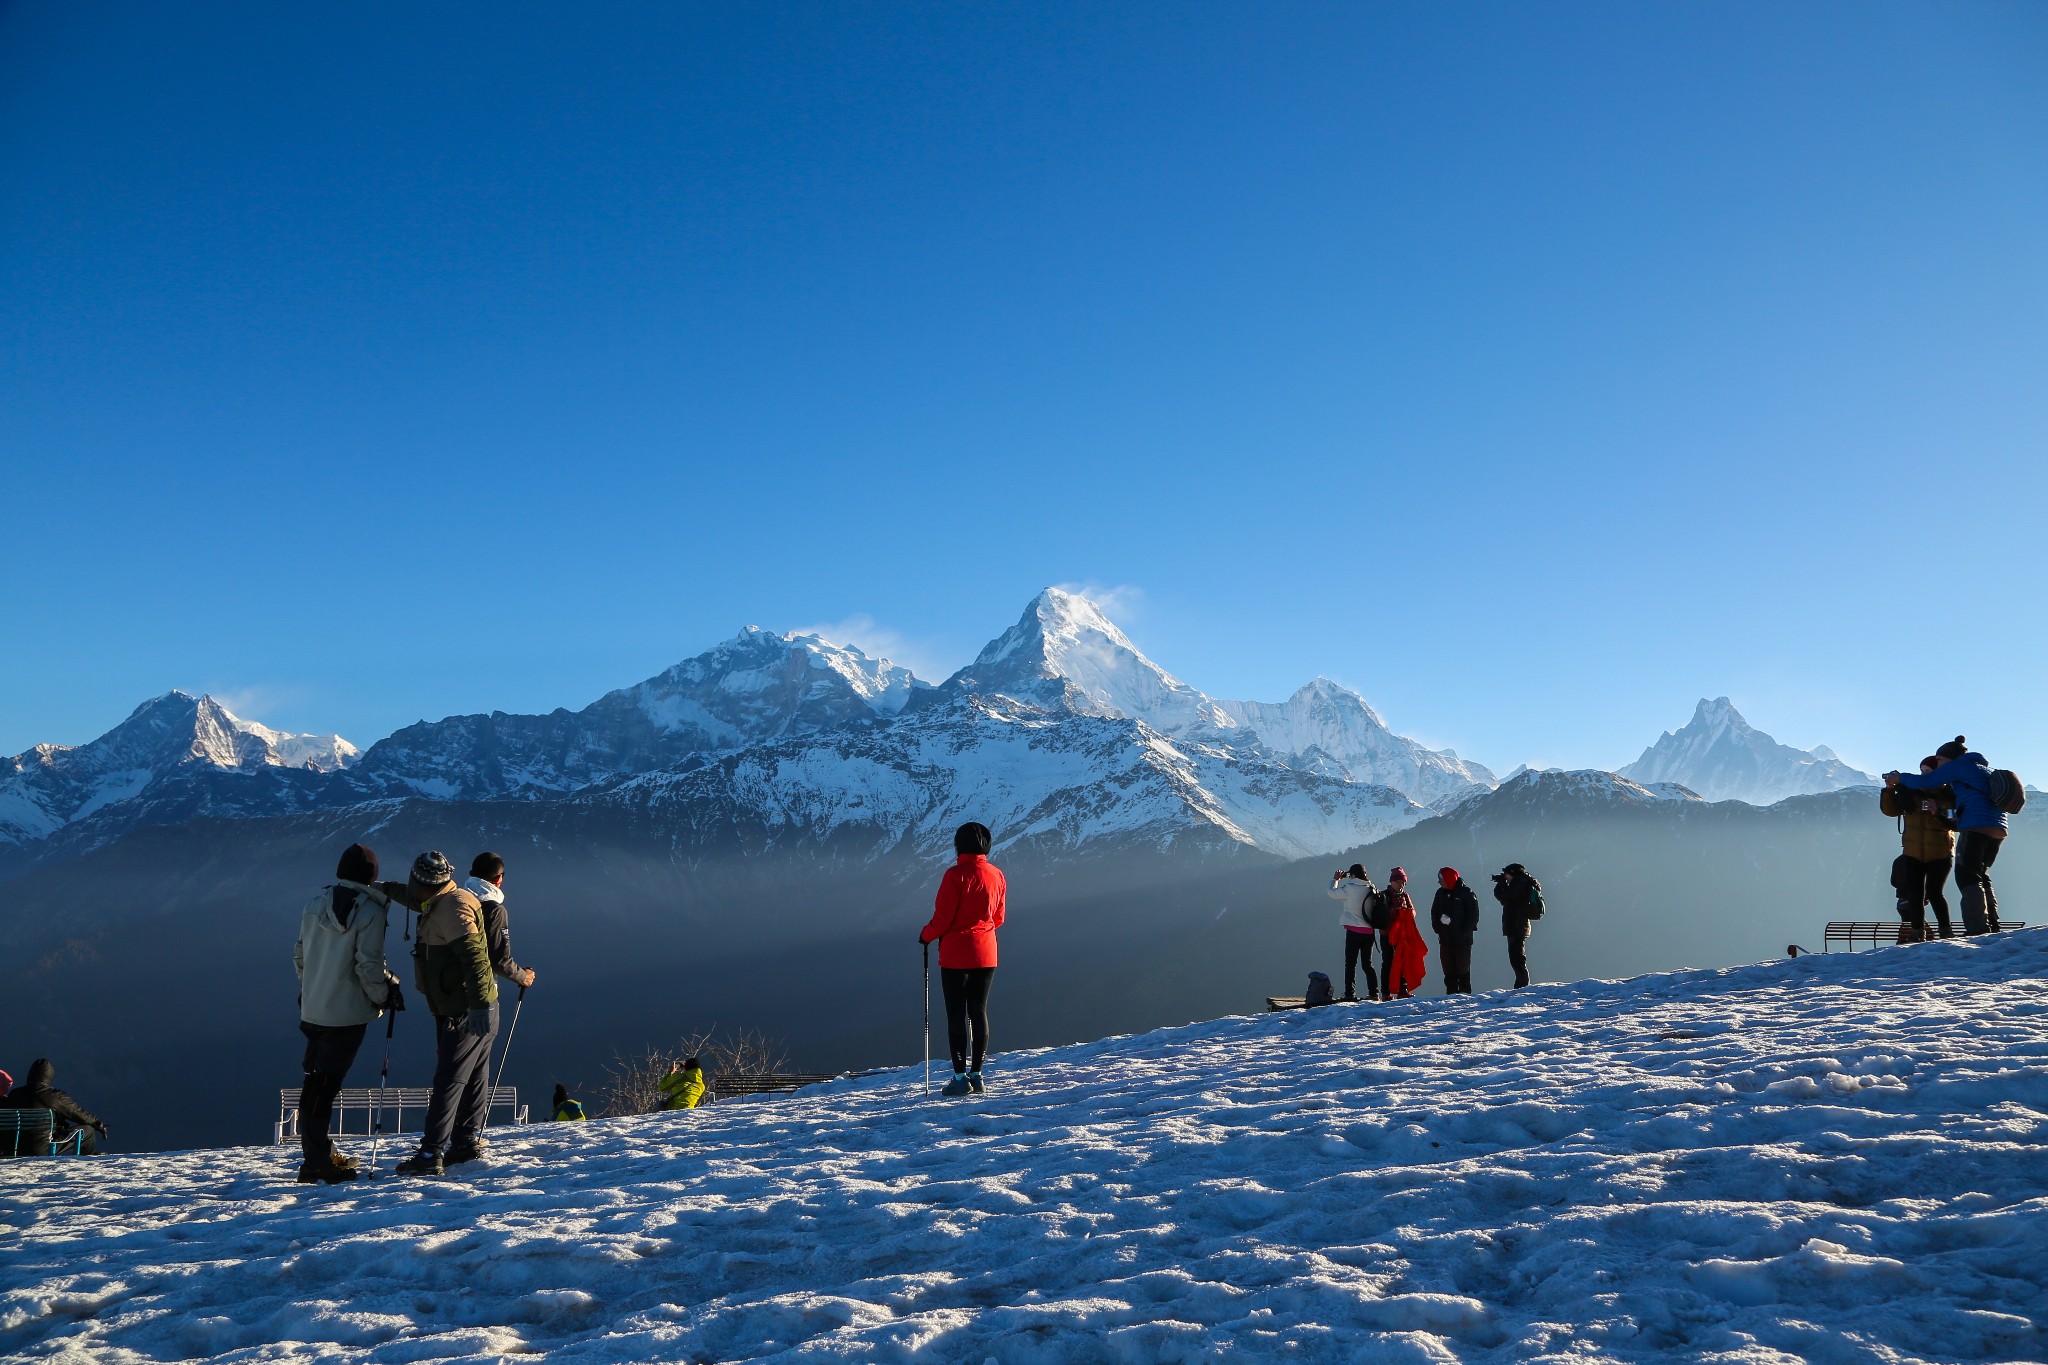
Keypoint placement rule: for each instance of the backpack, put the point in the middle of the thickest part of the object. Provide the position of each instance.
(1376, 912)
(2007, 792)
(1319, 989)
(1534, 910)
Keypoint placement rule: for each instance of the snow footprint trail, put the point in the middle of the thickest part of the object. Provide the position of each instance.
(1827, 1159)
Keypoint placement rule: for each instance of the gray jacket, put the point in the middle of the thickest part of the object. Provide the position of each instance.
(340, 958)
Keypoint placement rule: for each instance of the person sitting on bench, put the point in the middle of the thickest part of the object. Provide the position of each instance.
(67, 1116)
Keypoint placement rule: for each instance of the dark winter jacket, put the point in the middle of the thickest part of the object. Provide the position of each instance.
(1928, 833)
(1512, 891)
(497, 928)
(1454, 914)
(1970, 777)
(37, 1093)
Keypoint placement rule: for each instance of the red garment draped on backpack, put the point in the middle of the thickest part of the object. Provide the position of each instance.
(967, 913)
(1404, 977)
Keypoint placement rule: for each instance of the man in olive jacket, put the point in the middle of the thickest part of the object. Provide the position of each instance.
(452, 971)
(1928, 832)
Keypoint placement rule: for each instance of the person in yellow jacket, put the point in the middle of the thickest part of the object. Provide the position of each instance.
(683, 1086)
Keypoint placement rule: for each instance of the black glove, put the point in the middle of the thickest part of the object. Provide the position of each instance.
(394, 999)
(479, 1025)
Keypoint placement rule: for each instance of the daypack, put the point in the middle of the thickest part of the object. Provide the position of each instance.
(1376, 910)
(1319, 989)
(2007, 792)
(1534, 909)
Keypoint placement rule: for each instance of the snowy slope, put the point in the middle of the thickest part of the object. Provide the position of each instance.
(1328, 727)
(1719, 755)
(1825, 1159)
(164, 739)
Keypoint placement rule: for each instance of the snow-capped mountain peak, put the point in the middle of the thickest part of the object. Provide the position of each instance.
(1722, 757)
(1331, 728)
(1065, 652)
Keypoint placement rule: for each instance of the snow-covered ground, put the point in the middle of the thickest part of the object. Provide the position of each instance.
(1829, 1159)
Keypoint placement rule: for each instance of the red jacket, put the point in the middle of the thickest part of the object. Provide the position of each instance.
(967, 913)
(1410, 952)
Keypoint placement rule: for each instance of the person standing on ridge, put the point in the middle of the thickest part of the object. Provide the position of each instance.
(1355, 890)
(344, 985)
(486, 882)
(1520, 907)
(452, 969)
(1928, 835)
(965, 916)
(1408, 953)
(683, 1087)
(1454, 915)
(1981, 825)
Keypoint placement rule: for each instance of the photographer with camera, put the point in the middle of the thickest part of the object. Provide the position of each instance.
(1928, 834)
(1355, 889)
(1521, 905)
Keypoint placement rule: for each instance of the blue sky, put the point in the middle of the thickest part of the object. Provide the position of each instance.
(1535, 369)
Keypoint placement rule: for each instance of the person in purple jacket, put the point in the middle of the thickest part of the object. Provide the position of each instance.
(1980, 825)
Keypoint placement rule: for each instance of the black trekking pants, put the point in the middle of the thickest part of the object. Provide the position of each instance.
(1455, 955)
(1518, 958)
(1386, 963)
(462, 1081)
(1357, 950)
(330, 1052)
(1975, 852)
(966, 991)
(1919, 884)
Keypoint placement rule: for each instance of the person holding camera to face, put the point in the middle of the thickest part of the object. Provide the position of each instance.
(1355, 890)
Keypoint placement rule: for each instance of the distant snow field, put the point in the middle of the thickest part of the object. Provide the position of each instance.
(1828, 1159)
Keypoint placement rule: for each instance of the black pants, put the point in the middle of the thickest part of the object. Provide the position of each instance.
(462, 1080)
(1358, 949)
(330, 1052)
(1919, 884)
(1518, 958)
(966, 991)
(1975, 852)
(1455, 955)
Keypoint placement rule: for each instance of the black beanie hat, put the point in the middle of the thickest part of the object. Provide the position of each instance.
(1955, 748)
(358, 864)
(973, 837)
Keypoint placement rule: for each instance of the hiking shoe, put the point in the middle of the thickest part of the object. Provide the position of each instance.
(421, 1163)
(1349, 997)
(957, 1087)
(974, 1083)
(458, 1155)
(341, 1159)
(325, 1172)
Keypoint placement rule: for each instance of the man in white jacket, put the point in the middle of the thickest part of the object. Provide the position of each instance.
(344, 984)
(1355, 889)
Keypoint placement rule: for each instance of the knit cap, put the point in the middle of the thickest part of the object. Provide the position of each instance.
(432, 868)
(358, 864)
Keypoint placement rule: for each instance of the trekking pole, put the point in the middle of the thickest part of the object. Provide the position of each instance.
(505, 1056)
(927, 1020)
(383, 1083)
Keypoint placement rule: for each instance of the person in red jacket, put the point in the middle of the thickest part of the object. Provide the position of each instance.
(964, 921)
(1404, 977)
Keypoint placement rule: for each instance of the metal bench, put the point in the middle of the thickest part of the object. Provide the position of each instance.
(1286, 1002)
(739, 1087)
(397, 1100)
(1877, 933)
(27, 1132)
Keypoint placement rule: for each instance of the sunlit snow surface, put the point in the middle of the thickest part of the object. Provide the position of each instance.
(1828, 1159)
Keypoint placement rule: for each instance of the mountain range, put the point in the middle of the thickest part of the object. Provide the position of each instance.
(1059, 734)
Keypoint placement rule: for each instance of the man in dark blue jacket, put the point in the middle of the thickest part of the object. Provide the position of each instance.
(1980, 826)
(1454, 914)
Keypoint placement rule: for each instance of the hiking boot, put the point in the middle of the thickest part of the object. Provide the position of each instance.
(325, 1172)
(341, 1160)
(421, 1163)
(1349, 997)
(974, 1083)
(458, 1155)
(957, 1087)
